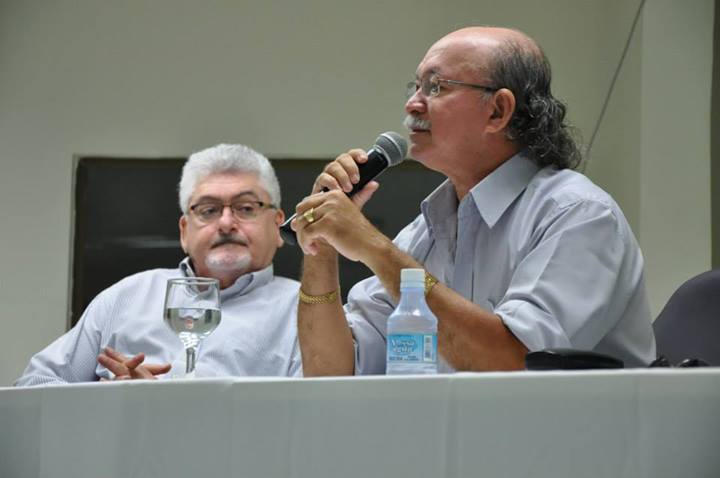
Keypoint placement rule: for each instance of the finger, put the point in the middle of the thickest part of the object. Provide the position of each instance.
(364, 195)
(141, 373)
(300, 225)
(359, 155)
(157, 368)
(320, 245)
(317, 244)
(303, 242)
(301, 220)
(304, 225)
(310, 215)
(350, 166)
(325, 182)
(312, 248)
(117, 368)
(114, 354)
(135, 361)
(310, 239)
(344, 171)
(309, 248)
(313, 201)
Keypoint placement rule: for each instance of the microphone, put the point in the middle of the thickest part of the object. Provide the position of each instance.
(389, 150)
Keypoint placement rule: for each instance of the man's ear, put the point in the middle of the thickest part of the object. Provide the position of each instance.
(279, 219)
(503, 107)
(182, 224)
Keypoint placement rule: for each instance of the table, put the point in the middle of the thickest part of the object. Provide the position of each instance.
(621, 423)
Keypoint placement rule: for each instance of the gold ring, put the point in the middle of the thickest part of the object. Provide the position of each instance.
(308, 215)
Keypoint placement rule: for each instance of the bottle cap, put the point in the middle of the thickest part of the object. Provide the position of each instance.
(412, 277)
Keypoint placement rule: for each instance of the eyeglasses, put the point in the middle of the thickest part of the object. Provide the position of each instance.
(431, 86)
(209, 212)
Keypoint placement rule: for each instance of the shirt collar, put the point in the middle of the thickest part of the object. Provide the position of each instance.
(492, 196)
(244, 284)
(440, 210)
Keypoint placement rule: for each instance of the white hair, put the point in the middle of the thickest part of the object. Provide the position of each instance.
(226, 158)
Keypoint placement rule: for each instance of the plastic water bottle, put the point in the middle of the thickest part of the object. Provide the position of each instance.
(412, 329)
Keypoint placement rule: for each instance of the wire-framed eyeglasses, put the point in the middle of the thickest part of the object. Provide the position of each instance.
(431, 86)
(211, 211)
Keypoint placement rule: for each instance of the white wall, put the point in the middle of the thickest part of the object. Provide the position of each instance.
(653, 147)
(164, 78)
(675, 143)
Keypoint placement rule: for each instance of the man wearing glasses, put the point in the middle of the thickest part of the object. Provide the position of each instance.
(521, 252)
(230, 198)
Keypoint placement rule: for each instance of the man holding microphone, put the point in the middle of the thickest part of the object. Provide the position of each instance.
(521, 253)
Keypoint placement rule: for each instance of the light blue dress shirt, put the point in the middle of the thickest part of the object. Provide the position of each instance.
(545, 249)
(257, 334)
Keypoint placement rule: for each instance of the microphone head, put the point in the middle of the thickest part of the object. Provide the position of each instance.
(392, 146)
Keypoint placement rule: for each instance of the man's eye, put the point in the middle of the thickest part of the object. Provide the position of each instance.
(245, 208)
(208, 210)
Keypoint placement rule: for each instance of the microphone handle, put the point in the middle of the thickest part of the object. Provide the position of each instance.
(376, 164)
(371, 169)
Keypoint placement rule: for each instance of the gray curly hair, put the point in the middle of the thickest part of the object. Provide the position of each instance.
(226, 158)
(538, 122)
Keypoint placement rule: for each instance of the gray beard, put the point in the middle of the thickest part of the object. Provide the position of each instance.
(222, 263)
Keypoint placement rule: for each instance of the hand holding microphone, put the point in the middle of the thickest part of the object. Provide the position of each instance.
(330, 216)
(348, 174)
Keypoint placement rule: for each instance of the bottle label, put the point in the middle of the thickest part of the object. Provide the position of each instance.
(412, 348)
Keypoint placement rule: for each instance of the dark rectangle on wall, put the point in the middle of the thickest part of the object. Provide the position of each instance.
(127, 212)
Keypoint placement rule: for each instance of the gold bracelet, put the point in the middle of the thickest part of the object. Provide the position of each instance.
(430, 281)
(328, 298)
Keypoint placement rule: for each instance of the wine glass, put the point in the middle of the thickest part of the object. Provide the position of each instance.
(192, 311)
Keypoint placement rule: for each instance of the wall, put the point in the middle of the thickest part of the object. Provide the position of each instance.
(675, 94)
(652, 152)
(165, 78)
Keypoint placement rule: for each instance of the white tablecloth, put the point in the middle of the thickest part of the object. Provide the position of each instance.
(643, 423)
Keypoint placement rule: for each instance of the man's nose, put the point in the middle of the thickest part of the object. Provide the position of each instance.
(227, 220)
(416, 103)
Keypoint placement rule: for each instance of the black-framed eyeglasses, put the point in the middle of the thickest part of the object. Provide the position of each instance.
(209, 212)
(430, 86)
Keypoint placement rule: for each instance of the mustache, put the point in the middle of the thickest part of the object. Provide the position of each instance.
(412, 122)
(228, 239)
